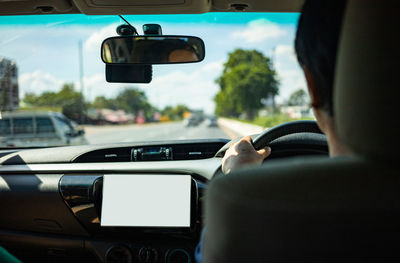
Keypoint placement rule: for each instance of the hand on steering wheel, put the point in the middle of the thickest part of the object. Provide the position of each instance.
(242, 153)
(316, 143)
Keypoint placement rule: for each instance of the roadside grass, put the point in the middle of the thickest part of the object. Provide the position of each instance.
(272, 120)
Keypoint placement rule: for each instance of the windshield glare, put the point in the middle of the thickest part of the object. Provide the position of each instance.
(53, 90)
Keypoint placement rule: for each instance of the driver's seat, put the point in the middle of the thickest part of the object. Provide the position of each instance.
(319, 210)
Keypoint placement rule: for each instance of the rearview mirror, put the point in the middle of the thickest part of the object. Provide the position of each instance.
(152, 50)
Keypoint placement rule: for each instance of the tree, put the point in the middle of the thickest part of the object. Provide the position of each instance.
(298, 98)
(175, 113)
(101, 102)
(247, 79)
(133, 100)
(31, 99)
(73, 104)
(68, 99)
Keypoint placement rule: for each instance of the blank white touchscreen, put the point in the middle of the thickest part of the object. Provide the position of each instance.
(146, 200)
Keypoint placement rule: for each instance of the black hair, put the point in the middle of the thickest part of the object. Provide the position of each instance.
(316, 43)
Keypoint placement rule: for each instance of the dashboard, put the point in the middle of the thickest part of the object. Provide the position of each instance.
(103, 204)
(113, 203)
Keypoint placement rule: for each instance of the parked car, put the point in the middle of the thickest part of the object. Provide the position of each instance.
(38, 129)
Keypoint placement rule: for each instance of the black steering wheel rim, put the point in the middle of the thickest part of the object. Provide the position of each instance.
(269, 135)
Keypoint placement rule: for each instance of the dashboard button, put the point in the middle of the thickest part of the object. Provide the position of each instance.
(178, 256)
(119, 254)
(148, 255)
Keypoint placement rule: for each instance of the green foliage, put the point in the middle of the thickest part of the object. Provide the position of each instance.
(175, 113)
(102, 102)
(70, 103)
(248, 78)
(68, 99)
(131, 100)
(298, 98)
(273, 120)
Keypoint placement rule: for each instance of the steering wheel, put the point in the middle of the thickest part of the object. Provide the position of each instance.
(289, 139)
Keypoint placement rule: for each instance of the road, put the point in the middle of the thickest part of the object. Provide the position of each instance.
(149, 132)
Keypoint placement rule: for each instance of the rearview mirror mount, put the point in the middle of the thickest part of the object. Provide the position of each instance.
(117, 73)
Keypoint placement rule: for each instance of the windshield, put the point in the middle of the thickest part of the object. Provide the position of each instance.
(53, 89)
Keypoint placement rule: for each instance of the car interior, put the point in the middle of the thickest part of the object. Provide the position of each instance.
(64, 204)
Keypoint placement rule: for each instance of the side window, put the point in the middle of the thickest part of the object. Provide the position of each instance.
(44, 125)
(5, 127)
(23, 125)
(63, 124)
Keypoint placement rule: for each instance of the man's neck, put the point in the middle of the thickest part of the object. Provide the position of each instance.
(336, 148)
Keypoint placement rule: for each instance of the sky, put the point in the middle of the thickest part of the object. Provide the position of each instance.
(46, 49)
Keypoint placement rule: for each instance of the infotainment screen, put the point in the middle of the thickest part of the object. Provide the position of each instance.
(146, 200)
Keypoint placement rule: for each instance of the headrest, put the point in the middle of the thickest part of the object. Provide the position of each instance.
(367, 101)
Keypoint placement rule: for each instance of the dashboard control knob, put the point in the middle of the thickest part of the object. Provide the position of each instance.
(119, 254)
(148, 255)
(178, 256)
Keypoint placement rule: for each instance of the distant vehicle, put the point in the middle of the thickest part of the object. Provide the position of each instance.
(38, 129)
(193, 121)
(212, 122)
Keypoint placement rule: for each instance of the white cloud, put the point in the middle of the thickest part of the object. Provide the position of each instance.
(93, 43)
(196, 89)
(216, 66)
(289, 72)
(96, 85)
(38, 82)
(259, 30)
(286, 51)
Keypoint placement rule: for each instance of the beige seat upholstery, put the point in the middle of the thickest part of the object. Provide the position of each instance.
(326, 210)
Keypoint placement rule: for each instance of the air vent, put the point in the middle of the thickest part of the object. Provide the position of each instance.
(195, 151)
(106, 155)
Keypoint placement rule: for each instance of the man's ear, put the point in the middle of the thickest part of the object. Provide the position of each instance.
(315, 103)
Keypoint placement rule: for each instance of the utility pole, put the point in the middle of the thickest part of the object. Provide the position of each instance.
(82, 117)
(273, 57)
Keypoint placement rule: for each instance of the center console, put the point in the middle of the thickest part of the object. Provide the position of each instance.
(143, 217)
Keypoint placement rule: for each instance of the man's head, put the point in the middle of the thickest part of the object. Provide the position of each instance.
(316, 44)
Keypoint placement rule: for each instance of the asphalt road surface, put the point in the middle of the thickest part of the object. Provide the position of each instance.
(150, 132)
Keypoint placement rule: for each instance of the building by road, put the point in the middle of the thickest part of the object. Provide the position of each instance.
(107, 116)
(9, 94)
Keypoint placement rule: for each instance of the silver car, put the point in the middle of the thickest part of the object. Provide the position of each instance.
(38, 129)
